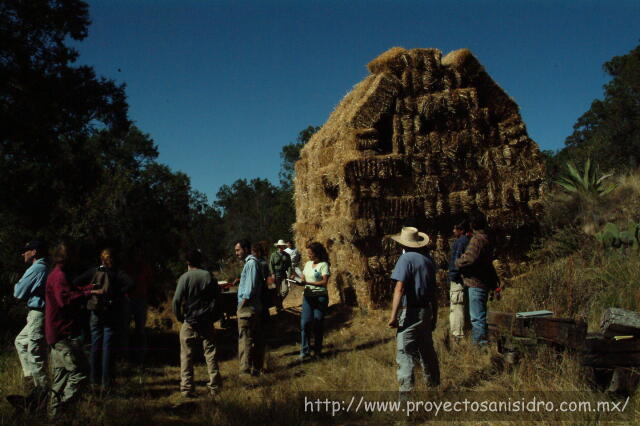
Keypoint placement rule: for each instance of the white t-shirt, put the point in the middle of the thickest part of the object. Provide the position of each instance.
(294, 254)
(314, 274)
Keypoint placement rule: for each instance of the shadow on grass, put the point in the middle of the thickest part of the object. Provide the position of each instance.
(280, 330)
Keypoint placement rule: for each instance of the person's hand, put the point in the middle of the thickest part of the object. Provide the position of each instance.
(98, 292)
(393, 322)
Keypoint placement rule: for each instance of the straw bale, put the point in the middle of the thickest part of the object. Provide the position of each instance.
(393, 60)
(424, 140)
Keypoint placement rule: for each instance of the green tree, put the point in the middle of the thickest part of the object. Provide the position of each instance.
(253, 210)
(610, 129)
(291, 153)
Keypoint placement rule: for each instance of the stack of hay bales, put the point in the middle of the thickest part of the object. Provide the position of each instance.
(422, 141)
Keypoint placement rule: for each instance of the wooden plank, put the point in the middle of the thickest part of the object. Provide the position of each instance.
(616, 321)
(611, 360)
(570, 333)
(562, 331)
(598, 343)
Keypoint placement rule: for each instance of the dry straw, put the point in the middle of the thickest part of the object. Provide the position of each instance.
(423, 140)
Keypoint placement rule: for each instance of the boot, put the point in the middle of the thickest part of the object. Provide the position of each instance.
(37, 400)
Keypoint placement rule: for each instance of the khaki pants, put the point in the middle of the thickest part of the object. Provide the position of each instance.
(458, 313)
(250, 343)
(32, 349)
(190, 337)
(69, 372)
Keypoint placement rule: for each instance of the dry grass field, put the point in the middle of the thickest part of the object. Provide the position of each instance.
(360, 356)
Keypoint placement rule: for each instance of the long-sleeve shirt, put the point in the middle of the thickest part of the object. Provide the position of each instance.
(279, 263)
(119, 282)
(193, 300)
(459, 247)
(62, 308)
(32, 284)
(475, 263)
(251, 283)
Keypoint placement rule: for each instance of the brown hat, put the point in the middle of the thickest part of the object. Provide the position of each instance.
(411, 237)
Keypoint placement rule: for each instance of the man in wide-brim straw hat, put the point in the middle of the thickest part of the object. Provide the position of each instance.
(414, 309)
(279, 264)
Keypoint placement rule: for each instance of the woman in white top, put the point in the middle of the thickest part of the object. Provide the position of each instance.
(315, 300)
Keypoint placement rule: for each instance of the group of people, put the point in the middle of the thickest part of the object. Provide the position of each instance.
(414, 309)
(195, 304)
(55, 309)
(60, 308)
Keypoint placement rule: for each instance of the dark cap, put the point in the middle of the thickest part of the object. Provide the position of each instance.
(33, 245)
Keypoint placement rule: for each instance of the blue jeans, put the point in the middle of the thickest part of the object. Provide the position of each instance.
(312, 319)
(103, 333)
(414, 343)
(478, 312)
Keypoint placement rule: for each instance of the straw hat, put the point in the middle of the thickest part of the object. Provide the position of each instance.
(411, 237)
(280, 243)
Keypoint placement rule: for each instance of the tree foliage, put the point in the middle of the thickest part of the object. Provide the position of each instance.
(72, 166)
(610, 129)
(291, 153)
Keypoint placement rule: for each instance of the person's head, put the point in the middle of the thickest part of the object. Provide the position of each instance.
(316, 252)
(242, 248)
(257, 250)
(61, 254)
(280, 245)
(194, 258)
(107, 257)
(461, 228)
(33, 251)
(478, 221)
(291, 244)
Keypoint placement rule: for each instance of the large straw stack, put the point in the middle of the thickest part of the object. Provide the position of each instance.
(422, 141)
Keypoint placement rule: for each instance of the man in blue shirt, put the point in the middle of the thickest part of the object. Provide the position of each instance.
(250, 336)
(30, 342)
(458, 298)
(414, 310)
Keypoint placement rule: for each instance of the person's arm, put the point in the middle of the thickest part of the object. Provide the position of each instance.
(272, 266)
(177, 301)
(395, 304)
(84, 278)
(248, 282)
(23, 288)
(471, 254)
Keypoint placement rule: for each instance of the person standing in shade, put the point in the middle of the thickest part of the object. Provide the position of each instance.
(30, 342)
(294, 255)
(315, 299)
(136, 304)
(279, 264)
(414, 310)
(250, 333)
(479, 276)
(63, 331)
(194, 304)
(106, 315)
(458, 295)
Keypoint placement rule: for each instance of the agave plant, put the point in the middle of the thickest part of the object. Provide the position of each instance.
(586, 183)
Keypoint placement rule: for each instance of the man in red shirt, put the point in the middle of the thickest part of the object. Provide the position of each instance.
(62, 330)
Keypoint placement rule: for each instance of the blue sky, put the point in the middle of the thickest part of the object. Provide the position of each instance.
(221, 86)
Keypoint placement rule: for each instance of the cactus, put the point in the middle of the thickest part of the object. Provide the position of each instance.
(612, 237)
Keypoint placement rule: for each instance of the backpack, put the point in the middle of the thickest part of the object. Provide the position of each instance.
(100, 281)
